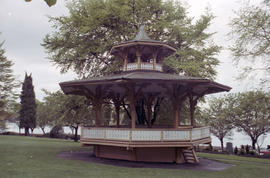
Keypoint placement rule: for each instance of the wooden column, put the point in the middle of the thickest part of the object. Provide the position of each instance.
(154, 59)
(96, 99)
(133, 113)
(132, 103)
(176, 112)
(132, 98)
(179, 157)
(125, 61)
(192, 107)
(177, 94)
(149, 114)
(138, 54)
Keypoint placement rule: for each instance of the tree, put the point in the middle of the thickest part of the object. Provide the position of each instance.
(76, 111)
(49, 2)
(28, 105)
(68, 110)
(83, 39)
(8, 84)
(220, 117)
(43, 115)
(252, 114)
(251, 31)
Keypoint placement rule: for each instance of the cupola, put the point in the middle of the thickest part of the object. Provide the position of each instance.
(142, 53)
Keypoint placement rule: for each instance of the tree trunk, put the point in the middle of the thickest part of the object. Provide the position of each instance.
(149, 114)
(43, 130)
(76, 134)
(26, 131)
(128, 113)
(32, 130)
(222, 144)
(156, 110)
(254, 141)
(140, 112)
(117, 111)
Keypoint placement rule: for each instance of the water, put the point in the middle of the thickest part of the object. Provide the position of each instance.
(238, 138)
(12, 127)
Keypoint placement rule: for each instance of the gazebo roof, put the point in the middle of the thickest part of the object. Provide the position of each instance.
(142, 36)
(153, 81)
(142, 39)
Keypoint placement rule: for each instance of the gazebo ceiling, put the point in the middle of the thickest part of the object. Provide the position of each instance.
(147, 82)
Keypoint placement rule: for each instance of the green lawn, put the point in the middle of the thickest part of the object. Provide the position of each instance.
(36, 157)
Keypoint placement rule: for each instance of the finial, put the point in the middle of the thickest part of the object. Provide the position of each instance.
(141, 36)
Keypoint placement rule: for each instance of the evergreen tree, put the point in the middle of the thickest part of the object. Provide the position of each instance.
(28, 105)
(7, 86)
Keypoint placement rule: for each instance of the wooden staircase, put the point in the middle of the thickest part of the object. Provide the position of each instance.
(190, 156)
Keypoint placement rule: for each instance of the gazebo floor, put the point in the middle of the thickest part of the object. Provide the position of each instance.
(147, 154)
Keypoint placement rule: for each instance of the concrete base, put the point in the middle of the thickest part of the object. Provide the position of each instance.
(166, 154)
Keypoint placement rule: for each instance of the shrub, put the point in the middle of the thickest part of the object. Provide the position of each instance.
(242, 150)
(57, 132)
(209, 148)
(235, 150)
(247, 149)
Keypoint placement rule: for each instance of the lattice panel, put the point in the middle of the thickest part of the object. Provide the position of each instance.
(147, 66)
(146, 135)
(196, 134)
(132, 66)
(158, 67)
(143, 135)
(205, 132)
(176, 135)
(118, 134)
(93, 133)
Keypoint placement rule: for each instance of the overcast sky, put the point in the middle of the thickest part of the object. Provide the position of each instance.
(24, 25)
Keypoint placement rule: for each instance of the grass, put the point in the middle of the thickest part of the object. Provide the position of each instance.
(36, 157)
(234, 158)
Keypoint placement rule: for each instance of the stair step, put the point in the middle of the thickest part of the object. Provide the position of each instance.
(187, 151)
(189, 157)
(188, 154)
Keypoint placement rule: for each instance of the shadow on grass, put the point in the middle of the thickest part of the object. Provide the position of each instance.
(205, 164)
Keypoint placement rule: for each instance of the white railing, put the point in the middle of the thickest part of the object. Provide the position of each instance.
(126, 134)
(132, 66)
(158, 67)
(198, 133)
(147, 66)
(176, 135)
(144, 66)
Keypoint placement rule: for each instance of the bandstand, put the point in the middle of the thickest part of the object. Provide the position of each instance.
(143, 78)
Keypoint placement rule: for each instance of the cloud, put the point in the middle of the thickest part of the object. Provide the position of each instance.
(24, 25)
